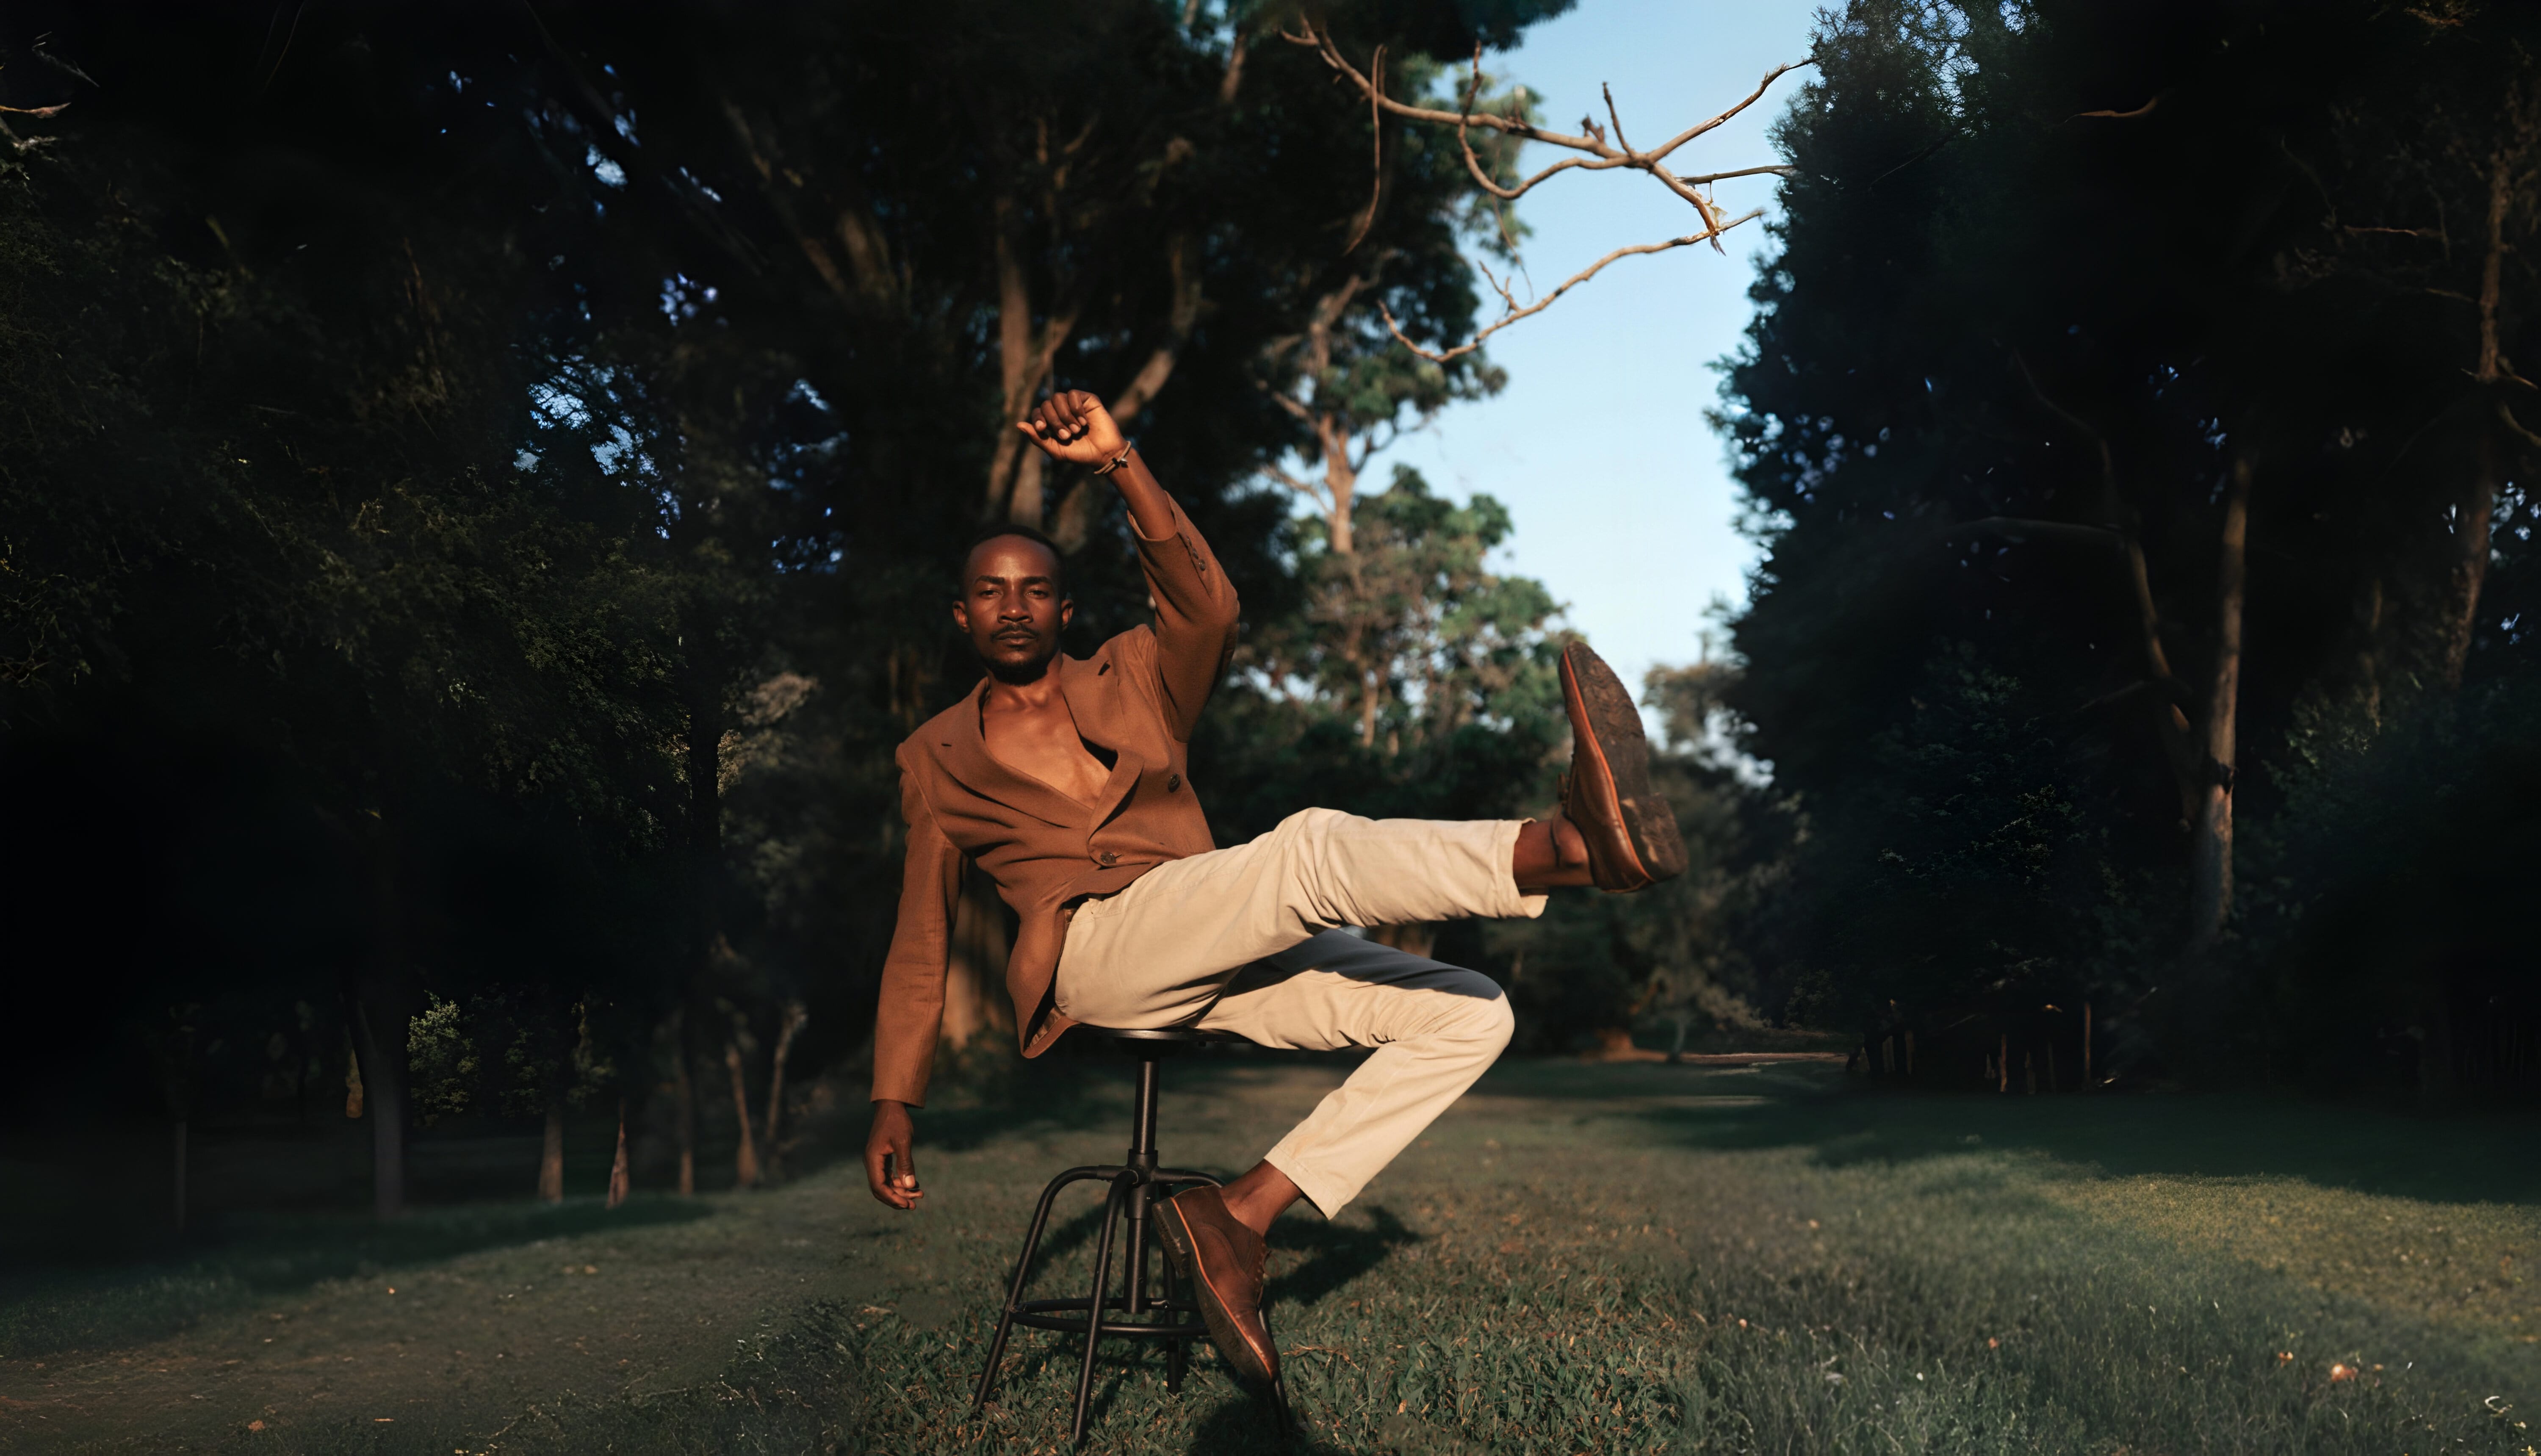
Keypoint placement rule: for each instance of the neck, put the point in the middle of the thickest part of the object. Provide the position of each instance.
(1037, 693)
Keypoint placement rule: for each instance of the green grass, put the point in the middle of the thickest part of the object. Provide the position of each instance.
(1578, 1259)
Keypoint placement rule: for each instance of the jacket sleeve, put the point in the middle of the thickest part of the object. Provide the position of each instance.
(1195, 617)
(911, 1015)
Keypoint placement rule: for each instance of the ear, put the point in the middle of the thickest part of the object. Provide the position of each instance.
(961, 615)
(1066, 612)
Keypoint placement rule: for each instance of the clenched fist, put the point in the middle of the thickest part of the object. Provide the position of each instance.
(1072, 425)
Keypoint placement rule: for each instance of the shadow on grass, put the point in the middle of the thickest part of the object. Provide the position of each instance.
(2464, 1158)
(1334, 1253)
(241, 1255)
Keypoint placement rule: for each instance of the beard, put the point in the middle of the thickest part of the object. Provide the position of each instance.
(1016, 674)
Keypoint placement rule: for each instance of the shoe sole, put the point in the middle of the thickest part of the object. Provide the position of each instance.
(1238, 1352)
(1610, 746)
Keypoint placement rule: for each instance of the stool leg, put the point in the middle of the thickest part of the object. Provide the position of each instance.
(1023, 1277)
(1138, 1199)
(1094, 1312)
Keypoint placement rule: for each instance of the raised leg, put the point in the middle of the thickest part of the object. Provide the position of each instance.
(1094, 1306)
(1022, 1275)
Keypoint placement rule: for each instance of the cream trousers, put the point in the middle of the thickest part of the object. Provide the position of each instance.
(1247, 940)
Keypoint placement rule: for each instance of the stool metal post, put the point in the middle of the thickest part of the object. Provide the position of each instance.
(1129, 1189)
(1143, 1157)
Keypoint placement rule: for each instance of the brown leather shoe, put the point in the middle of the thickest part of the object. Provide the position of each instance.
(1629, 827)
(1222, 1260)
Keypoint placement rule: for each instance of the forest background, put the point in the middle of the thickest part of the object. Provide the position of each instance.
(477, 490)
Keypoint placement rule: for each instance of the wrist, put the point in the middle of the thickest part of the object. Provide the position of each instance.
(1117, 459)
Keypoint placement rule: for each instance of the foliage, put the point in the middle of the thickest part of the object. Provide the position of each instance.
(1989, 420)
(477, 500)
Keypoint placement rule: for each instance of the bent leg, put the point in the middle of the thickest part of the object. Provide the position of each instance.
(1435, 1028)
(1158, 951)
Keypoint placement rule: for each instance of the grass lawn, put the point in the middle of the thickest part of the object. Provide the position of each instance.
(1577, 1258)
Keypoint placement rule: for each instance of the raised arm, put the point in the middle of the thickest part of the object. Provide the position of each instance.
(1197, 609)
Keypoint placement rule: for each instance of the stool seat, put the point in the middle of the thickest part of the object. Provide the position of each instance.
(1130, 1188)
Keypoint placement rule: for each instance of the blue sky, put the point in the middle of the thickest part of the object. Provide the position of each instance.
(1621, 492)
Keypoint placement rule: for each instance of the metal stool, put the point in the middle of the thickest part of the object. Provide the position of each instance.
(1135, 1184)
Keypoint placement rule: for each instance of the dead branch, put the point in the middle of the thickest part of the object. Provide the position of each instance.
(1598, 150)
(1598, 154)
(2115, 115)
(1377, 170)
(1540, 305)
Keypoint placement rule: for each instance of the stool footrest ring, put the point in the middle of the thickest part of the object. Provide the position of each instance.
(1130, 1190)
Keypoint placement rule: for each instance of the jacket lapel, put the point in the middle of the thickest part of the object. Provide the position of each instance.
(1082, 685)
(965, 757)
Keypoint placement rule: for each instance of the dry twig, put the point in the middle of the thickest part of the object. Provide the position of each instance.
(1598, 150)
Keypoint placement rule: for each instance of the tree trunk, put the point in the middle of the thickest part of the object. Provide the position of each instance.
(551, 1155)
(684, 1097)
(745, 1158)
(1340, 482)
(178, 1148)
(2471, 545)
(381, 994)
(352, 1076)
(617, 1178)
(974, 982)
(379, 1022)
(705, 864)
(1024, 356)
(2211, 865)
(2368, 657)
(796, 1018)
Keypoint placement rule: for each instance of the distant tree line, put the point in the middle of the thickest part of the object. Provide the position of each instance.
(478, 489)
(2135, 424)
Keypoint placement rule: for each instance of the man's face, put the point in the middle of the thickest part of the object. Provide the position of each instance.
(1011, 607)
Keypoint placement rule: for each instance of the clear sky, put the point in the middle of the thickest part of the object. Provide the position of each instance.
(1621, 492)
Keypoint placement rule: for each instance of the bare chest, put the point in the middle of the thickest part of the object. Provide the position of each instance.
(1043, 743)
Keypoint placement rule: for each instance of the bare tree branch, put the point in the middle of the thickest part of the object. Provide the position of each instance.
(1376, 169)
(1598, 151)
(1306, 488)
(1540, 305)
(2508, 415)
(2116, 116)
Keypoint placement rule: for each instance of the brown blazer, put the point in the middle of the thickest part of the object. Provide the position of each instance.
(1139, 696)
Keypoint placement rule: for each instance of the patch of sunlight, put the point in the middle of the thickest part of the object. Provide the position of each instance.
(2466, 1264)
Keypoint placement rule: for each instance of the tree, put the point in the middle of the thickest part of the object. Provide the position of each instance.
(2069, 505)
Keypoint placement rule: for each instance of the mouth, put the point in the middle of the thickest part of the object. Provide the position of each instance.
(1016, 638)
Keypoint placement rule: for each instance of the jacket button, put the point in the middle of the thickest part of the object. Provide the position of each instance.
(1172, 781)
(1108, 857)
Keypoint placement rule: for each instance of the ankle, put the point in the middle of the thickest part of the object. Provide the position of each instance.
(1569, 847)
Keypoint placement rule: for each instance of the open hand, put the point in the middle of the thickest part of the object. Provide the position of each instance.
(890, 1172)
(1072, 425)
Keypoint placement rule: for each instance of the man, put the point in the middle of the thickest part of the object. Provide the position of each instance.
(1065, 779)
